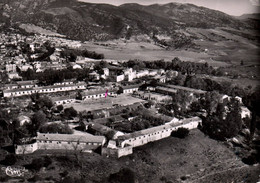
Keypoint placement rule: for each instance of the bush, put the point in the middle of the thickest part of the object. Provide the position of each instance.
(250, 160)
(10, 159)
(180, 133)
(125, 175)
(36, 164)
(35, 178)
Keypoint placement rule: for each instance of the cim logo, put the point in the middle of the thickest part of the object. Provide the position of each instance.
(16, 171)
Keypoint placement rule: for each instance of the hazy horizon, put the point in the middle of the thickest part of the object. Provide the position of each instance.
(231, 7)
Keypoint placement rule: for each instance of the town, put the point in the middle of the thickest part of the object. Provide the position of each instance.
(56, 95)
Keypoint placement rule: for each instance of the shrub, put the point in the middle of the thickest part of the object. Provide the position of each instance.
(180, 133)
(10, 159)
(35, 178)
(125, 175)
(36, 164)
(250, 160)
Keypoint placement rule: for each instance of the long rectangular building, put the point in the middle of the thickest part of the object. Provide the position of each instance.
(44, 89)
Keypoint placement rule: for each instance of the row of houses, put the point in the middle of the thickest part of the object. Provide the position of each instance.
(44, 89)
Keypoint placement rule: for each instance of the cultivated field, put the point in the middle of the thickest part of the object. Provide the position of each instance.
(223, 48)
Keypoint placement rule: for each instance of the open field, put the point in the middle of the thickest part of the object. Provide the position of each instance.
(95, 104)
(196, 158)
(223, 48)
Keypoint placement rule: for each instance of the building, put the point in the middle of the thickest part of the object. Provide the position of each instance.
(124, 144)
(10, 68)
(191, 90)
(63, 100)
(44, 89)
(165, 90)
(48, 141)
(96, 94)
(69, 141)
(27, 84)
(120, 78)
(130, 88)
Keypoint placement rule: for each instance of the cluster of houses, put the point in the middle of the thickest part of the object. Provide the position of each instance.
(13, 59)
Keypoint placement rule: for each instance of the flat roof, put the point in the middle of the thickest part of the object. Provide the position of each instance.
(131, 86)
(70, 137)
(97, 92)
(186, 88)
(166, 89)
(18, 90)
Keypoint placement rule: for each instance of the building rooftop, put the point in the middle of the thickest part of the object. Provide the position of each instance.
(130, 86)
(70, 137)
(157, 128)
(166, 89)
(186, 89)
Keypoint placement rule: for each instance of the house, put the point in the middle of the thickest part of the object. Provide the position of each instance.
(152, 72)
(142, 73)
(69, 141)
(10, 68)
(96, 94)
(26, 67)
(104, 130)
(165, 90)
(11, 86)
(161, 79)
(130, 88)
(120, 78)
(63, 100)
(27, 84)
(13, 75)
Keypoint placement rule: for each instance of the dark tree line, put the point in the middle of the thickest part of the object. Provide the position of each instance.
(49, 77)
(71, 54)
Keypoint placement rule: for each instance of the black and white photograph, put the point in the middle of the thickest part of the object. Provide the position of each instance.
(129, 91)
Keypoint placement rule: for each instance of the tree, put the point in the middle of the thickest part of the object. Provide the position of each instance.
(70, 113)
(60, 108)
(10, 159)
(125, 175)
(180, 133)
(38, 119)
(225, 123)
(120, 90)
(252, 102)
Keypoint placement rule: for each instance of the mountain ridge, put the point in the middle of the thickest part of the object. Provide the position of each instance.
(88, 21)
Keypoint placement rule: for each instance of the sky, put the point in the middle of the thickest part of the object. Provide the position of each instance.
(231, 7)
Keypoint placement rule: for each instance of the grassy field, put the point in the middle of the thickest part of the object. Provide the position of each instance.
(196, 159)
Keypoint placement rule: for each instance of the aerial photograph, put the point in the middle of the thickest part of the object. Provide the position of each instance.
(129, 91)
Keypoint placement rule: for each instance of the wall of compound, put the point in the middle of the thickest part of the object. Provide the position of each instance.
(26, 148)
(158, 135)
(66, 145)
(117, 153)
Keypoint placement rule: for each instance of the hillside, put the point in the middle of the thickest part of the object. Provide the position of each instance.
(85, 21)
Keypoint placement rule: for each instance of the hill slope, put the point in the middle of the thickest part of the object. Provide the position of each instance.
(85, 21)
